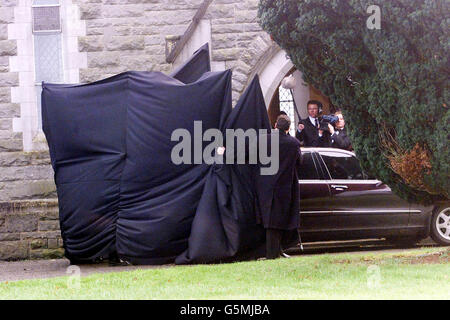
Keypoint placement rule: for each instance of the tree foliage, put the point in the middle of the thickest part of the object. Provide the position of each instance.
(391, 83)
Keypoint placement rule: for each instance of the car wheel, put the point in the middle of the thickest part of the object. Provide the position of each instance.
(440, 225)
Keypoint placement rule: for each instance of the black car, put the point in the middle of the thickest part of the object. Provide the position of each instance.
(340, 202)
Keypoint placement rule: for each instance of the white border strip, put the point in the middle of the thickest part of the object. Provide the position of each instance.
(364, 211)
(340, 181)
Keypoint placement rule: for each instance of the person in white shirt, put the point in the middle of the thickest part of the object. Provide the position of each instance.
(308, 130)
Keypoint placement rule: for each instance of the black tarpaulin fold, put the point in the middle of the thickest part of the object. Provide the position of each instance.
(225, 224)
(110, 143)
(195, 67)
(118, 189)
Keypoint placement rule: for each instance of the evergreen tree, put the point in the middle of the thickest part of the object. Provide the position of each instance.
(391, 83)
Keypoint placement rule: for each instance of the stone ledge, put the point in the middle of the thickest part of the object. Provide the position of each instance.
(26, 173)
(17, 159)
(27, 190)
(13, 250)
(20, 205)
(47, 253)
(11, 145)
(29, 229)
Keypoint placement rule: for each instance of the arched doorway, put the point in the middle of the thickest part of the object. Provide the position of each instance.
(286, 100)
(277, 99)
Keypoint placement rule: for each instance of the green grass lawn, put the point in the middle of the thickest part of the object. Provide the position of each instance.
(411, 274)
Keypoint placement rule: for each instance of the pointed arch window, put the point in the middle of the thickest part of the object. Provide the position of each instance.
(287, 105)
(47, 39)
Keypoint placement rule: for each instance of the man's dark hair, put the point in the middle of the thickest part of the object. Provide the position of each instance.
(283, 122)
(317, 103)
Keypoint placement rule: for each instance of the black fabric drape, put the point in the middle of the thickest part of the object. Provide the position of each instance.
(225, 225)
(85, 129)
(195, 67)
(110, 144)
(118, 189)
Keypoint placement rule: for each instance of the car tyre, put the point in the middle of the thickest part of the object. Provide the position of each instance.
(440, 225)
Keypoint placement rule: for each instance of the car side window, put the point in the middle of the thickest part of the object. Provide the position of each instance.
(343, 166)
(307, 170)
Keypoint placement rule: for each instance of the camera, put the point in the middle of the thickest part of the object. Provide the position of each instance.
(327, 119)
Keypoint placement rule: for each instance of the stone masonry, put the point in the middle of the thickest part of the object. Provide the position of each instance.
(119, 35)
(30, 230)
(130, 35)
(9, 141)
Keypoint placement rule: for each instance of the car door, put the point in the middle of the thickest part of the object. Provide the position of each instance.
(315, 214)
(361, 207)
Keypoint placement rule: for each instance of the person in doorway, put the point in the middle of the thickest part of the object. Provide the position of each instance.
(339, 138)
(279, 194)
(309, 131)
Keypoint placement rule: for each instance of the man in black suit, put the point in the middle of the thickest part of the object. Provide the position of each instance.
(279, 194)
(308, 131)
(339, 138)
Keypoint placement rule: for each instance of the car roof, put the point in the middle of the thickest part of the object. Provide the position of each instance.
(316, 149)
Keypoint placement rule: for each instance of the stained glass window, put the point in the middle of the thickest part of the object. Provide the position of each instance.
(287, 105)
